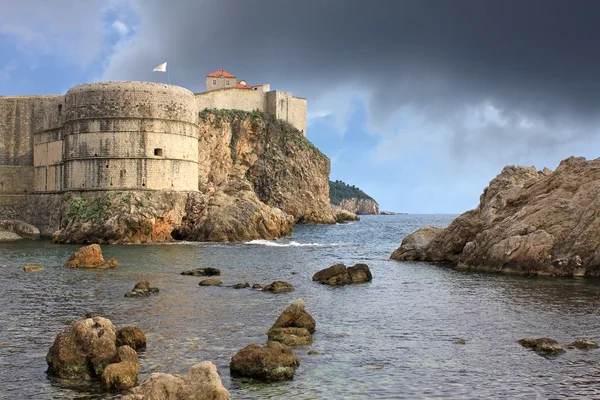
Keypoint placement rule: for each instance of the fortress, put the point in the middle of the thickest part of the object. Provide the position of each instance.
(118, 135)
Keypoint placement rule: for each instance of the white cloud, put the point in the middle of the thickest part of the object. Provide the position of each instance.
(121, 28)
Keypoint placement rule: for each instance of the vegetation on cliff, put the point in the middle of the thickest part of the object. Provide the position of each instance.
(339, 191)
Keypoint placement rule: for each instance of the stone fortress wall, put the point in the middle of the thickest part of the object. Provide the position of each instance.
(115, 136)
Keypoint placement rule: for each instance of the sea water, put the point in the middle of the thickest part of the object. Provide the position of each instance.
(392, 338)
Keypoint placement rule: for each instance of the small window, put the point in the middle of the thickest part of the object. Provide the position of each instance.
(59, 109)
(158, 152)
(214, 82)
(226, 83)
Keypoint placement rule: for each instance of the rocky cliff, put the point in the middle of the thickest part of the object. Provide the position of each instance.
(351, 198)
(257, 177)
(527, 222)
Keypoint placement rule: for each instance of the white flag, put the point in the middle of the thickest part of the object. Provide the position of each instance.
(161, 68)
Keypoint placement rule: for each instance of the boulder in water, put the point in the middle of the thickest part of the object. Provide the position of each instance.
(32, 267)
(132, 337)
(90, 257)
(202, 382)
(542, 346)
(278, 287)
(142, 288)
(210, 282)
(339, 274)
(206, 271)
(122, 374)
(269, 363)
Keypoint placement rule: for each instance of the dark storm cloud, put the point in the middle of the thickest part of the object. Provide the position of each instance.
(541, 54)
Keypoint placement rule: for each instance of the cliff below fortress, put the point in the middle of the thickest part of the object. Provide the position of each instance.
(257, 177)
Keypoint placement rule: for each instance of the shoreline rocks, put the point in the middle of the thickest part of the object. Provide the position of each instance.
(548, 346)
(339, 274)
(90, 257)
(528, 222)
(12, 229)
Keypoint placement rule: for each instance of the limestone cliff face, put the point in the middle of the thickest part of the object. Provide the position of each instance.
(527, 222)
(284, 169)
(360, 206)
(257, 177)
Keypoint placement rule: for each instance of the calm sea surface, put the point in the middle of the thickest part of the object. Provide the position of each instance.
(392, 338)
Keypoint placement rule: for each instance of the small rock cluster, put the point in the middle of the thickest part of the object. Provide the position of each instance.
(275, 361)
(548, 346)
(207, 271)
(89, 349)
(339, 274)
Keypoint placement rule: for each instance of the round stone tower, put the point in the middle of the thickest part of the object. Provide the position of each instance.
(130, 135)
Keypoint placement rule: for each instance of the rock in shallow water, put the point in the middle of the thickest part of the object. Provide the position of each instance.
(207, 271)
(542, 346)
(124, 373)
(90, 257)
(143, 289)
(270, 363)
(210, 282)
(202, 382)
(132, 337)
(32, 267)
(339, 274)
(278, 287)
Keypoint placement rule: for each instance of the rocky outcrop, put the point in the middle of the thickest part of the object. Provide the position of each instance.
(360, 206)
(257, 177)
(270, 363)
(88, 350)
(202, 382)
(90, 257)
(547, 346)
(339, 274)
(143, 289)
(11, 229)
(527, 222)
(342, 216)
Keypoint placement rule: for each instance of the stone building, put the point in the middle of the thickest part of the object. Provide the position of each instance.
(117, 136)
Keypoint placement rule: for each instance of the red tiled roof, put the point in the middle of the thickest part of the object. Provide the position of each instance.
(240, 85)
(220, 74)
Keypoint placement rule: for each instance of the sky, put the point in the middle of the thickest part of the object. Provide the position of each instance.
(420, 103)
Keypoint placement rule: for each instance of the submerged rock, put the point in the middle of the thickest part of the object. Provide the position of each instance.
(241, 285)
(207, 271)
(257, 286)
(132, 337)
(543, 346)
(290, 336)
(210, 282)
(270, 363)
(142, 288)
(528, 222)
(339, 274)
(32, 267)
(90, 257)
(202, 382)
(583, 344)
(278, 287)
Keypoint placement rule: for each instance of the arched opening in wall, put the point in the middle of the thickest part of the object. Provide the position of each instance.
(158, 152)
